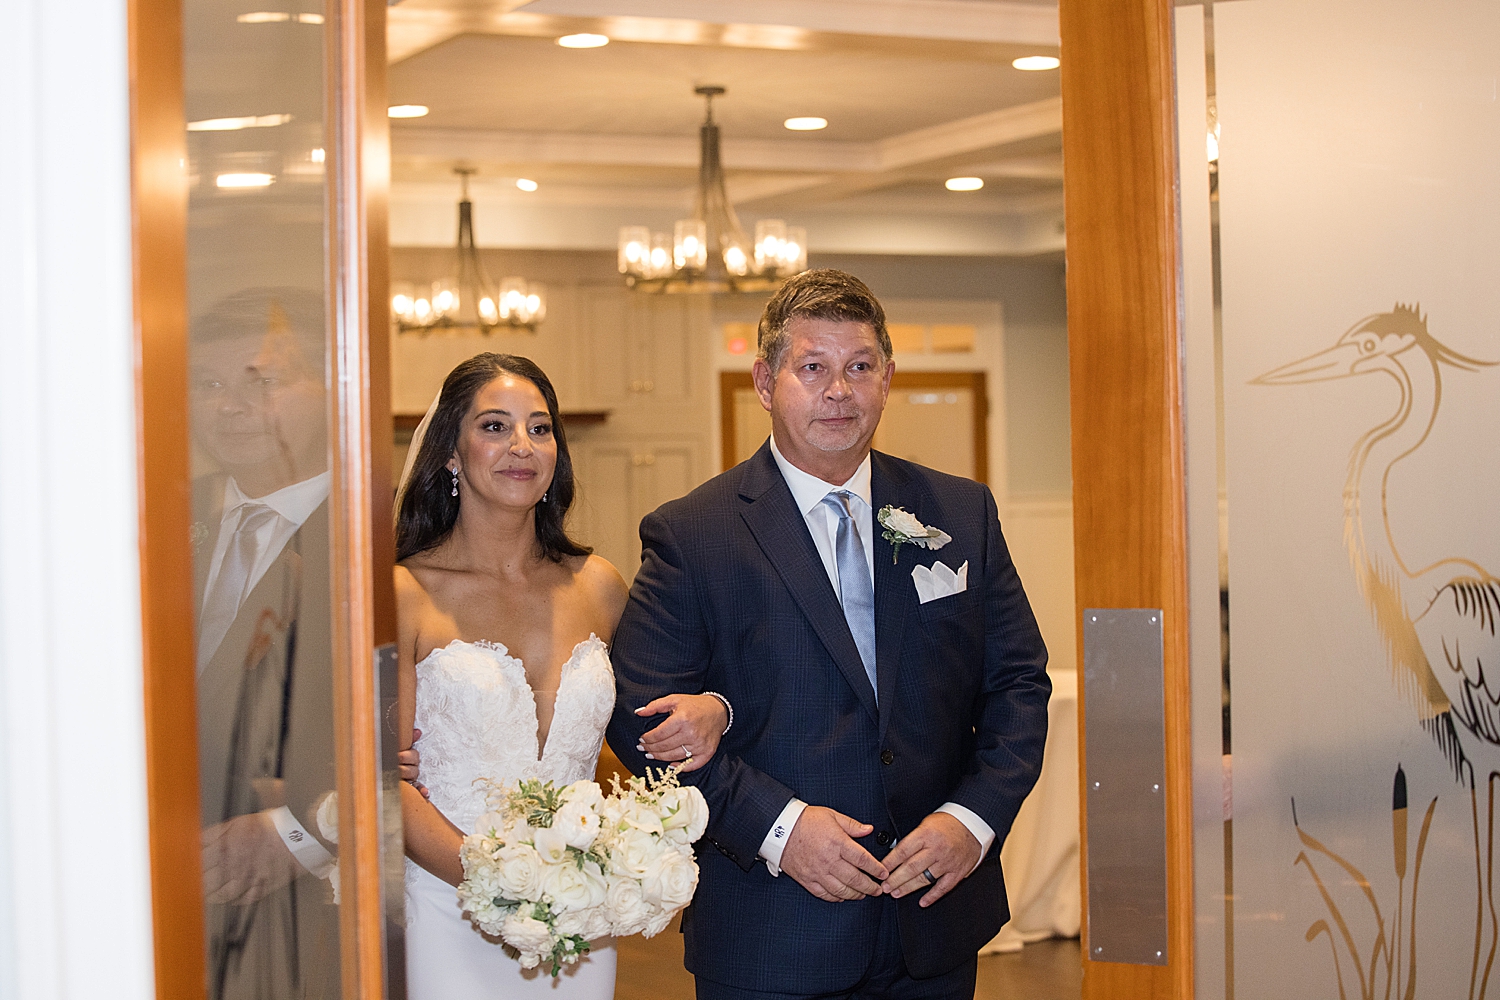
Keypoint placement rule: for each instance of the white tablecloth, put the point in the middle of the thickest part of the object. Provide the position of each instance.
(1040, 857)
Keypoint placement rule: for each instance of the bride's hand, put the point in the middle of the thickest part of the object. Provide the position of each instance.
(690, 733)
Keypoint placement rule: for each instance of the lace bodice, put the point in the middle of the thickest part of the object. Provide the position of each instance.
(478, 718)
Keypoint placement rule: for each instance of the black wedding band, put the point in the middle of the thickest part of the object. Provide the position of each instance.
(927, 874)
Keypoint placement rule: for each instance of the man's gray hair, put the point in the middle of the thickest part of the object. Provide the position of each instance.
(821, 294)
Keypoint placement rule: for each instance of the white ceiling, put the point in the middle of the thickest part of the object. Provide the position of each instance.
(914, 90)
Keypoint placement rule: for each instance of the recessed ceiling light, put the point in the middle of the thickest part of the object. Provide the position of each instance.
(1035, 63)
(525, 184)
(407, 110)
(963, 183)
(231, 124)
(244, 180)
(317, 155)
(805, 124)
(278, 17)
(583, 40)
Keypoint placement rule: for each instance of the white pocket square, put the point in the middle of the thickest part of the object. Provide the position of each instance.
(939, 581)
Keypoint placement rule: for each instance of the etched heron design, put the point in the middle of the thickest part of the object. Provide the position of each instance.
(1438, 622)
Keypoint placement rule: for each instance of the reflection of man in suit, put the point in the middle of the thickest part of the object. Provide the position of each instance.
(265, 725)
(889, 713)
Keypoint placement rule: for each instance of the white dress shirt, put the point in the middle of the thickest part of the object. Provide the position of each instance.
(808, 492)
(293, 505)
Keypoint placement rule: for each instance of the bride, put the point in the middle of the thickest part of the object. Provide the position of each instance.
(504, 624)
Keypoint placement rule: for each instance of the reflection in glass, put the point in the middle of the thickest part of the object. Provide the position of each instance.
(259, 398)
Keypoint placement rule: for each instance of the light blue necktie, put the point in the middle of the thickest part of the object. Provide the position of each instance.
(856, 592)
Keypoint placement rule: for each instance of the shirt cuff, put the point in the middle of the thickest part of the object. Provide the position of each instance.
(981, 830)
(304, 846)
(781, 831)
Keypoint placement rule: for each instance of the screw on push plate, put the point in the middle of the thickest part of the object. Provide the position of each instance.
(1156, 788)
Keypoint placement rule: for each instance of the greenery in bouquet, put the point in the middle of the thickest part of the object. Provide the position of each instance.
(547, 870)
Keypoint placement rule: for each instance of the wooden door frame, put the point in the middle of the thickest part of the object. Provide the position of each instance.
(359, 410)
(976, 381)
(362, 527)
(1129, 518)
(158, 192)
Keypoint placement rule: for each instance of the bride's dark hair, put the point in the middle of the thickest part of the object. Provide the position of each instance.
(428, 510)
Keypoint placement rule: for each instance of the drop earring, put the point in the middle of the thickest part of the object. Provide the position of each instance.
(544, 498)
(455, 485)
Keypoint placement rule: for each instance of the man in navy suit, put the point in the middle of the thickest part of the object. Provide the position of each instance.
(889, 713)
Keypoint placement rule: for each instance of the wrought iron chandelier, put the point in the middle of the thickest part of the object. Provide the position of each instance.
(468, 299)
(709, 252)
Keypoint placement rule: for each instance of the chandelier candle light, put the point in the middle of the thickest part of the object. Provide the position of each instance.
(468, 299)
(709, 252)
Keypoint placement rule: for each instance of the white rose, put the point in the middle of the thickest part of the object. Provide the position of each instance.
(611, 813)
(586, 792)
(903, 523)
(685, 814)
(670, 880)
(658, 923)
(527, 935)
(577, 822)
(518, 872)
(633, 851)
(589, 924)
(573, 887)
(626, 906)
(552, 844)
(327, 817)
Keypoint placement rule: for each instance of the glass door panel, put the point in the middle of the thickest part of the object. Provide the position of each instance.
(1352, 146)
(259, 412)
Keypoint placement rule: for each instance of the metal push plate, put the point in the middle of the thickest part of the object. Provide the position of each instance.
(1125, 760)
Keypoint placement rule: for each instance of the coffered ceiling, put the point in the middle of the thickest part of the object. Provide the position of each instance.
(914, 91)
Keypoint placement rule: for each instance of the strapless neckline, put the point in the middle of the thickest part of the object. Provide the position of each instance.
(477, 713)
(515, 667)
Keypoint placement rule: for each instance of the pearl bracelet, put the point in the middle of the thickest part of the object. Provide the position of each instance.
(727, 707)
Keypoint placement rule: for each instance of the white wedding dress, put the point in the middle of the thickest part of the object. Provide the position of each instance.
(478, 719)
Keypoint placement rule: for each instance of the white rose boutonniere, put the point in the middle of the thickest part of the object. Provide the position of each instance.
(901, 528)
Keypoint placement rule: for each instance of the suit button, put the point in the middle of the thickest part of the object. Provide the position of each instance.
(886, 757)
(883, 839)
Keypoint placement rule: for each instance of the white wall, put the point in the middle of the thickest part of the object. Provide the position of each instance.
(75, 918)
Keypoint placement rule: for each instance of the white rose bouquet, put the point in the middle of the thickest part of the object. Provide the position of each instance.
(547, 870)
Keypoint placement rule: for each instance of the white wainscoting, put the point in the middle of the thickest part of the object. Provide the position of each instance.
(1039, 531)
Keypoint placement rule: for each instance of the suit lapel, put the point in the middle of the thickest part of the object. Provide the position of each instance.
(781, 531)
(895, 594)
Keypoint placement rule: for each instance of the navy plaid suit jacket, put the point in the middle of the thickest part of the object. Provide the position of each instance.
(732, 596)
